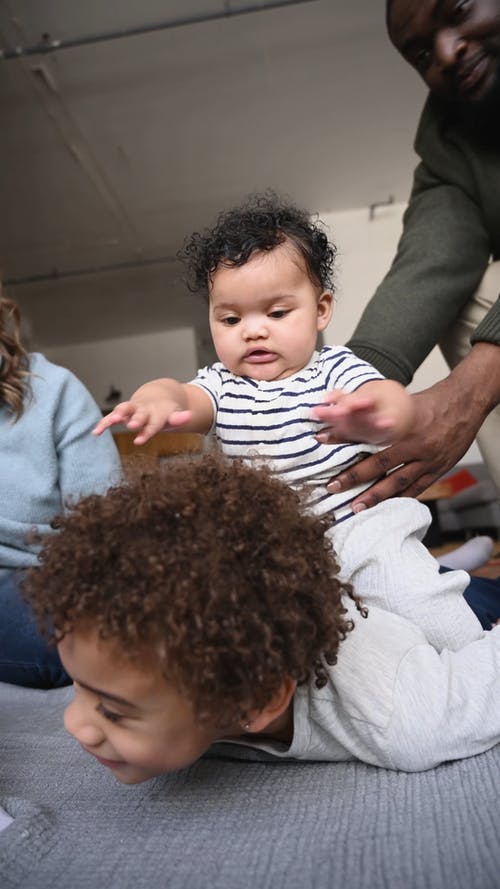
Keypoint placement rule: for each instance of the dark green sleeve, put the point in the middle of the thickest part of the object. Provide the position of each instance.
(488, 331)
(441, 258)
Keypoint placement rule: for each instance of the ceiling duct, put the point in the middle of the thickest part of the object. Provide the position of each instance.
(49, 45)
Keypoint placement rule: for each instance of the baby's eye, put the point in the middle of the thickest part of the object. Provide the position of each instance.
(278, 313)
(108, 714)
(231, 320)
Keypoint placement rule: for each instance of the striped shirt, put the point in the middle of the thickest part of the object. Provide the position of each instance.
(270, 421)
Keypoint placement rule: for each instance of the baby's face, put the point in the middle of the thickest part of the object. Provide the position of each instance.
(127, 715)
(265, 315)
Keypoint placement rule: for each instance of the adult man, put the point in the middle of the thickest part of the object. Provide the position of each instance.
(451, 231)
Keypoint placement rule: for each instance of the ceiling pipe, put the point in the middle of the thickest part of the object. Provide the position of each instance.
(47, 45)
(56, 275)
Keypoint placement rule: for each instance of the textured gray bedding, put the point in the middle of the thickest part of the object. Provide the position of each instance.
(233, 824)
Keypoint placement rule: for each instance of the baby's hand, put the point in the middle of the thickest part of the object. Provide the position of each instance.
(353, 417)
(147, 417)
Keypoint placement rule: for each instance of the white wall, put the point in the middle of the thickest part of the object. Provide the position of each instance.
(365, 251)
(366, 248)
(126, 362)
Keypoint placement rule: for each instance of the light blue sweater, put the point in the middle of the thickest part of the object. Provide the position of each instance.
(48, 457)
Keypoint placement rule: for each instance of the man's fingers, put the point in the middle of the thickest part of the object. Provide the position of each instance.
(396, 484)
(365, 471)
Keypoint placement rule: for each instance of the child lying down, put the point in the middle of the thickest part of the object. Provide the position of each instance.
(201, 602)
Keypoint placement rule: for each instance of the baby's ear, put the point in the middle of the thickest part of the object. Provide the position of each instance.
(262, 720)
(325, 310)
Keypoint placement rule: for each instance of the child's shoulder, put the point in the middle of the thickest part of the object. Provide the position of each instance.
(334, 355)
(334, 352)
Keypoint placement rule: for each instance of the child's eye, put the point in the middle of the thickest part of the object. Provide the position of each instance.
(231, 320)
(278, 313)
(108, 714)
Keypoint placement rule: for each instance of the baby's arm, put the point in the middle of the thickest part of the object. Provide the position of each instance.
(379, 412)
(163, 404)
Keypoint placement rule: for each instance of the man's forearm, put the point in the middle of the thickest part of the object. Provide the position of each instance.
(476, 380)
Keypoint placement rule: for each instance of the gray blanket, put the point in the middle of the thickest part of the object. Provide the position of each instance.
(233, 824)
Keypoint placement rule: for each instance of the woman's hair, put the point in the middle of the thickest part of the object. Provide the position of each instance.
(263, 222)
(212, 565)
(14, 360)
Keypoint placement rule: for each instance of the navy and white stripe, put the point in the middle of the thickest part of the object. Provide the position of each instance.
(270, 421)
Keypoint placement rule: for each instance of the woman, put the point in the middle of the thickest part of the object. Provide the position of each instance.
(47, 458)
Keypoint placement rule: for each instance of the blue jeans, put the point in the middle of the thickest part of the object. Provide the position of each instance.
(483, 596)
(25, 656)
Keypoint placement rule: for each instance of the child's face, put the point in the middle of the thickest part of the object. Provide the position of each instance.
(265, 315)
(127, 714)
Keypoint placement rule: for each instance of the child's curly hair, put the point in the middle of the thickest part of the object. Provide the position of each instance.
(261, 223)
(208, 563)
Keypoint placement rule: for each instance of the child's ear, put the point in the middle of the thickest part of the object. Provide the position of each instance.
(260, 720)
(325, 309)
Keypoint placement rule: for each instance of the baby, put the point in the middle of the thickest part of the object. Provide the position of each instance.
(267, 269)
(202, 603)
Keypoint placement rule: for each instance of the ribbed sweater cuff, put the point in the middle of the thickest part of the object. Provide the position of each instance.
(383, 363)
(488, 331)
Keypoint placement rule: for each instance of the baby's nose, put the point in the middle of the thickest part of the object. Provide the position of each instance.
(255, 329)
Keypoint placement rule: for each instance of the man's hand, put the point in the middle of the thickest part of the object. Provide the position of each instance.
(447, 418)
(414, 462)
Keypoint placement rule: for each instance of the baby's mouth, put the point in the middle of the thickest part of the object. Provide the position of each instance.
(260, 356)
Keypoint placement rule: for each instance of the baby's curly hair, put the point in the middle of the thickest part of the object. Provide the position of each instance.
(261, 223)
(210, 564)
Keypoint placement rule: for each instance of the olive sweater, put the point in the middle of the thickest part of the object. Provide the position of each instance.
(451, 230)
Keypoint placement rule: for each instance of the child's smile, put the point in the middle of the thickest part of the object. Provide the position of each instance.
(126, 714)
